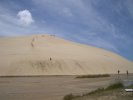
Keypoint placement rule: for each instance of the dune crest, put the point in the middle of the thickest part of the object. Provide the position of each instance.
(49, 55)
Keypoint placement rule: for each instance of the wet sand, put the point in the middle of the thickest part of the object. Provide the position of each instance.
(50, 87)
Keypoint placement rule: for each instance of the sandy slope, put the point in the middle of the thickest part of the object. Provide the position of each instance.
(30, 55)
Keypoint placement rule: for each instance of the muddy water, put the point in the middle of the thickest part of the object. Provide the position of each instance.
(50, 87)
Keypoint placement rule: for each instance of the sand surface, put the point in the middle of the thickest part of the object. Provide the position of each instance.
(118, 94)
(50, 87)
(30, 55)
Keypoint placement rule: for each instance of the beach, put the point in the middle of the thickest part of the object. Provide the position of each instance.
(51, 87)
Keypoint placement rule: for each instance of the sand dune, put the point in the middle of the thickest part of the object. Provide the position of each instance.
(49, 55)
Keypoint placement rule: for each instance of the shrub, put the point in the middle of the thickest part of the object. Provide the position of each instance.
(99, 90)
(68, 97)
(93, 76)
(96, 91)
(115, 86)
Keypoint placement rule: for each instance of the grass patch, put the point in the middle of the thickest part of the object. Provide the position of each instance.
(95, 91)
(93, 76)
(68, 97)
(114, 86)
(110, 87)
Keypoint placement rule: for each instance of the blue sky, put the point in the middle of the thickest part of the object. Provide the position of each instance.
(105, 24)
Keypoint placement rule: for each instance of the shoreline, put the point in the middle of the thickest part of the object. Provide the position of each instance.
(60, 75)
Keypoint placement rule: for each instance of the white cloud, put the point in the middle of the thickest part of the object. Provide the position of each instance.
(25, 17)
(10, 25)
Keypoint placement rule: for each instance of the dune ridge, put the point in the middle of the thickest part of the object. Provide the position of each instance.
(50, 55)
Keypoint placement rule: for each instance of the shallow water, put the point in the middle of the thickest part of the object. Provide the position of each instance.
(50, 87)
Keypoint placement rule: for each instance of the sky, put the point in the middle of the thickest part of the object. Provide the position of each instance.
(106, 24)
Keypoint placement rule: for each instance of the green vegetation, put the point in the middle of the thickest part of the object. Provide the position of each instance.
(115, 86)
(99, 90)
(95, 91)
(110, 87)
(68, 97)
(93, 76)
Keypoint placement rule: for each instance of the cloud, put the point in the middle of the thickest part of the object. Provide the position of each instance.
(97, 41)
(98, 23)
(10, 25)
(25, 17)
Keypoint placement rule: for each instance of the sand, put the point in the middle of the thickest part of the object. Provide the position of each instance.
(50, 55)
(52, 87)
(118, 94)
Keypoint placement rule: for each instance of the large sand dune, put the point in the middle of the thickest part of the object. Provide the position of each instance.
(30, 55)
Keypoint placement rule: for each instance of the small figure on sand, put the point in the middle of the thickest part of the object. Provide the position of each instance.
(127, 74)
(118, 73)
(50, 58)
(32, 45)
(32, 42)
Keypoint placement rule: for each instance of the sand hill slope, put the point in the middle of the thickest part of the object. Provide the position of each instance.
(49, 55)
